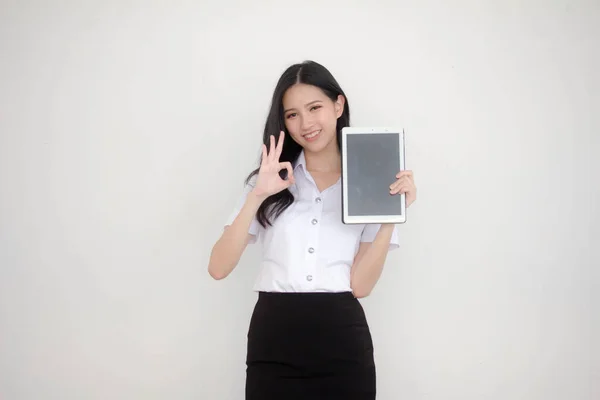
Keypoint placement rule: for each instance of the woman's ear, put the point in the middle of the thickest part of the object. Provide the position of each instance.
(339, 106)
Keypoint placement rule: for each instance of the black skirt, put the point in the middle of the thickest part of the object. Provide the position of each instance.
(309, 346)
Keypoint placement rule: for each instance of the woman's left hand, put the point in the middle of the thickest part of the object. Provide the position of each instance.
(405, 184)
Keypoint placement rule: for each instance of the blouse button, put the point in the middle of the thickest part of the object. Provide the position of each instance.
(311, 250)
(314, 221)
(309, 278)
(318, 200)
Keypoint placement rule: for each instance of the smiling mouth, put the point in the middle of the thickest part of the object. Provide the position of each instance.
(312, 135)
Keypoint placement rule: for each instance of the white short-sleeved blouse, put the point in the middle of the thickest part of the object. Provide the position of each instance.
(308, 248)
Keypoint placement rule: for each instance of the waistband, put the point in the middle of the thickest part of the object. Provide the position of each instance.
(305, 294)
(308, 296)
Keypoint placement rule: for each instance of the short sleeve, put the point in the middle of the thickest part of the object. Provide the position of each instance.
(254, 225)
(371, 230)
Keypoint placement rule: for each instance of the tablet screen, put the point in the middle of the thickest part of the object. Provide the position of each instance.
(373, 160)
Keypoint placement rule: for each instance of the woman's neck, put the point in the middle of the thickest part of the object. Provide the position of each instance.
(327, 160)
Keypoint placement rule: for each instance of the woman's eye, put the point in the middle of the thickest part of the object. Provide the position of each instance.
(291, 115)
(315, 107)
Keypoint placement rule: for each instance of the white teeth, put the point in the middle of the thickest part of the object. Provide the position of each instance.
(312, 135)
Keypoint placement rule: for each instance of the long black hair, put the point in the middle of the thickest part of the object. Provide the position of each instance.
(310, 73)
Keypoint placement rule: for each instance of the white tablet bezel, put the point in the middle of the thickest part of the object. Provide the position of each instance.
(371, 219)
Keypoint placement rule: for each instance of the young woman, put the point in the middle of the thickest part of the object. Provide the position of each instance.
(308, 335)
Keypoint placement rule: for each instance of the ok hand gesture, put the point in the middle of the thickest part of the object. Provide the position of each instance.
(269, 182)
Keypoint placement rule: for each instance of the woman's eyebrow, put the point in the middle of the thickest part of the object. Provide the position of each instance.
(312, 102)
(306, 105)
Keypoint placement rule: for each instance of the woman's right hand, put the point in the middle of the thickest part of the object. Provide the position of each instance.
(269, 182)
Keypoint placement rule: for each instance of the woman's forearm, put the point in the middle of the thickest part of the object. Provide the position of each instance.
(228, 250)
(368, 266)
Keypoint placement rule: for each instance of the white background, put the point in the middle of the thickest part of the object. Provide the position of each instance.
(127, 129)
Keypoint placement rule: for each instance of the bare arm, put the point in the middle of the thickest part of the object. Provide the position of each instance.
(369, 261)
(228, 250)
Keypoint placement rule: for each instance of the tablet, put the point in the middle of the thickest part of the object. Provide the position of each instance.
(371, 158)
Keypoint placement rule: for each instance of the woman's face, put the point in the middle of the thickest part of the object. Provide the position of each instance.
(311, 117)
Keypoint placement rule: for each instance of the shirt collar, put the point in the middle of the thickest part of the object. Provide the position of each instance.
(300, 161)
